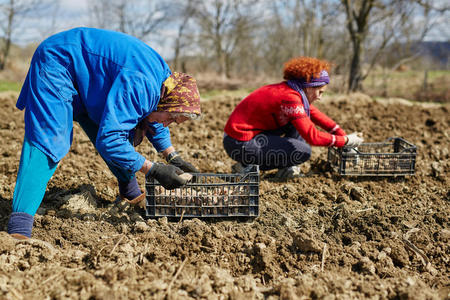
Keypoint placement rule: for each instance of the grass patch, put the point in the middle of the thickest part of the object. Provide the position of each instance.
(210, 94)
(409, 85)
(399, 77)
(438, 74)
(6, 86)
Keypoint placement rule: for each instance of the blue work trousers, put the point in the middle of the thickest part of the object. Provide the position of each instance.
(36, 169)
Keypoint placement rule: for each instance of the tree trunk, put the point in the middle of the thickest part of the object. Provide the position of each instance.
(7, 39)
(357, 25)
(220, 58)
(176, 59)
(355, 75)
(228, 66)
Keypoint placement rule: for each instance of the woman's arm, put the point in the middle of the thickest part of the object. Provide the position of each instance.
(315, 137)
(127, 102)
(325, 122)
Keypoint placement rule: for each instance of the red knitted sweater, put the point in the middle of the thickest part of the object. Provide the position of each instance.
(273, 106)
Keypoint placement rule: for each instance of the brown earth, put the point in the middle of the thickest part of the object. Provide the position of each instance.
(317, 237)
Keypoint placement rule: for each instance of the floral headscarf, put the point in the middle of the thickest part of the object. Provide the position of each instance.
(180, 94)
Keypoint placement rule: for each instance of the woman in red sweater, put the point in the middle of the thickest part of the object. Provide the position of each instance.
(274, 126)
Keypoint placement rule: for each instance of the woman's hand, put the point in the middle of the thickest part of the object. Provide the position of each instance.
(175, 159)
(183, 165)
(167, 175)
(354, 139)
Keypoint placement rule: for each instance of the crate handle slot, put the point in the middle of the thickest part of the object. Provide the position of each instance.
(349, 149)
(411, 146)
(403, 140)
(407, 149)
(251, 170)
(245, 176)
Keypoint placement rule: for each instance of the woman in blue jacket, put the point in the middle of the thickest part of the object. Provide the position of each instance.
(118, 89)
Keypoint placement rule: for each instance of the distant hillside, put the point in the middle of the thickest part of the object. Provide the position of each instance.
(438, 52)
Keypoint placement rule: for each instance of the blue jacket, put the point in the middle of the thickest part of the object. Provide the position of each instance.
(115, 78)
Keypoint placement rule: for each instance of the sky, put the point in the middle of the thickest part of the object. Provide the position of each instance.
(70, 13)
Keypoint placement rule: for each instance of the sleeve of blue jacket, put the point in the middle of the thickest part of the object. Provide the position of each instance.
(161, 137)
(131, 98)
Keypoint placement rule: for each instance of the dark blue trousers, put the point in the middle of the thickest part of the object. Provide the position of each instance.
(274, 149)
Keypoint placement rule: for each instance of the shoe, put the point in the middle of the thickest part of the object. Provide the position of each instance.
(139, 201)
(288, 173)
(19, 236)
(239, 168)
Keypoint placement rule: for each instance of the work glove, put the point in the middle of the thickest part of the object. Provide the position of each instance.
(354, 139)
(175, 159)
(167, 175)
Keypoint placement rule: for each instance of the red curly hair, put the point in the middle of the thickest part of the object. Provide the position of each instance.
(304, 67)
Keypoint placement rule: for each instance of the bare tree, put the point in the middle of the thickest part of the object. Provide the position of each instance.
(258, 36)
(375, 24)
(12, 14)
(300, 28)
(182, 40)
(312, 20)
(224, 24)
(139, 18)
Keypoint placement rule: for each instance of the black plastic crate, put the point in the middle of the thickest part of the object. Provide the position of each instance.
(207, 195)
(394, 157)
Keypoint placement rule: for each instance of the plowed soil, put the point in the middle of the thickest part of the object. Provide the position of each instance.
(322, 236)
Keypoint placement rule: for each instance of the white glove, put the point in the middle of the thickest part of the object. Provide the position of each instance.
(354, 139)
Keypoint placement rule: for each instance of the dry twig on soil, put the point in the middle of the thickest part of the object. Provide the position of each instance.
(169, 287)
(181, 218)
(364, 210)
(419, 253)
(114, 248)
(324, 253)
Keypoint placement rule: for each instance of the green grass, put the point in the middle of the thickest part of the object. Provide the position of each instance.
(418, 75)
(210, 94)
(10, 86)
(436, 74)
(409, 85)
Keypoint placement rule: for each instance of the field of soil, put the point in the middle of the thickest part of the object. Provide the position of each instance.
(318, 237)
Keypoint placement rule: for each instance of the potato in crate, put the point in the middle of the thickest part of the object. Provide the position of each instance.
(393, 157)
(206, 195)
